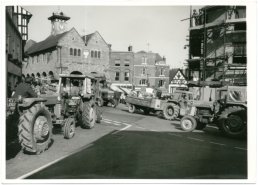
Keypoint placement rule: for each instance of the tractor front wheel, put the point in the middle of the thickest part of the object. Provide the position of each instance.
(69, 128)
(88, 115)
(188, 123)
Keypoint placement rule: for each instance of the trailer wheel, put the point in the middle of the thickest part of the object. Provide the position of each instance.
(188, 123)
(35, 129)
(88, 115)
(131, 108)
(170, 111)
(69, 128)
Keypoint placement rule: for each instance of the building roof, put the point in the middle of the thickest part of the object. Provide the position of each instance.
(173, 72)
(86, 38)
(49, 42)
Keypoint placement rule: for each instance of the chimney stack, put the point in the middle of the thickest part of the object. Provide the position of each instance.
(130, 48)
(164, 58)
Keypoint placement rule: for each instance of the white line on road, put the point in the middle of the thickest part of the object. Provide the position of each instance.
(212, 126)
(196, 139)
(221, 144)
(53, 162)
(240, 148)
(110, 122)
(153, 130)
(127, 126)
(141, 127)
(175, 135)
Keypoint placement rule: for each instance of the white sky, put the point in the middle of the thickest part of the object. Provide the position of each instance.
(160, 26)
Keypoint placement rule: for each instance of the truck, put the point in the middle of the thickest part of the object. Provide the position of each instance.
(37, 116)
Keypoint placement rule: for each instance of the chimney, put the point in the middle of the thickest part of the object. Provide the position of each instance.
(109, 45)
(130, 48)
(164, 58)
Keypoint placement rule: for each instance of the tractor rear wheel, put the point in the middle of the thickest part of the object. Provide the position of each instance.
(88, 115)
(35, 129)
(170, 111)
(188, 123)
(69, 128)
(232, 121)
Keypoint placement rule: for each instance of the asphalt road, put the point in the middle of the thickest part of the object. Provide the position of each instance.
(134, 146)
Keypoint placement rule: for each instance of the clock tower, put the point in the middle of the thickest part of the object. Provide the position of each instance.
(58, 23)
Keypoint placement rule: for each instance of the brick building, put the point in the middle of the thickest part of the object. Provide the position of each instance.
(66, 52)
(17, 20)
(121, 67)
(217, 46)
(150, 69)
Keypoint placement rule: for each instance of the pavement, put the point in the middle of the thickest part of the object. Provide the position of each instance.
(133, 146)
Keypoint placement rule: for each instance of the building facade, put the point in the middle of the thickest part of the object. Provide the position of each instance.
(217, 45)
(121, 67)
(17, 20)
(177, 80)
(150, 70)
(66, 52)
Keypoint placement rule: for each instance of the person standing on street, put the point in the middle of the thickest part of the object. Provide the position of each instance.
(24, 89)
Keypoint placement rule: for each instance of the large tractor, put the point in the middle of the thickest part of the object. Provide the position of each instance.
(73, 103)
(228, 111)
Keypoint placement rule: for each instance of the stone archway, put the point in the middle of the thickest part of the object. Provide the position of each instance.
(76, 73)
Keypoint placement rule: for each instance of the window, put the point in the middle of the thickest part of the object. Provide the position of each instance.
(117, 62)
(127, 74)
(75, 52)
(98, 54)
(162, 72)
(143, 71)
(71, 51)
(127, 63)
(117, 76)
(95, 54)
(79, 52)
(161, 83)
(144, 60)
(92, 54)
(143, 82)
(48, 57)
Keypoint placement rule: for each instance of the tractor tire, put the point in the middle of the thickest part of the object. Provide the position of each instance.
(100, 102)
(69, 128)
(171, 111)
(98, 114)
(35, 129)
(114, 103)
(88, 115)
(188, 123)
(233, 122)
(131, 108)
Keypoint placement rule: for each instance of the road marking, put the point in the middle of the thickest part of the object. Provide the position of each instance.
(53, 162)
(141, 127)
(212, 126)
(154, 130)
(112, 123)
(240, 148)
(196, 139)
(127, 126)
(221, 144)
(174, 135)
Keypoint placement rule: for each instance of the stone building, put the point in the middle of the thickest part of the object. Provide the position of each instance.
(17, 20)
(150, 69)
(66, 52)
(121, 67)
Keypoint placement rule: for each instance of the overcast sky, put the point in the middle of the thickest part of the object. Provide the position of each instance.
(160, 26)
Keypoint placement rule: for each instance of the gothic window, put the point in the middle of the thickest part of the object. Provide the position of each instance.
(92, 54)
(71, 51)
(98, 54)
(79, 52)
(75, 52)
(95, 54)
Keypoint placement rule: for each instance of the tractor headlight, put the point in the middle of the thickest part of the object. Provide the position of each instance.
(58, 98)
(20, 99)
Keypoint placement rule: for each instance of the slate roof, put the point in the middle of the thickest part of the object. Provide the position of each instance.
(49, 42)
(172, 73)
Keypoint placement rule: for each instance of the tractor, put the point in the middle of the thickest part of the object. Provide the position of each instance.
(73, 103)
(228, 112)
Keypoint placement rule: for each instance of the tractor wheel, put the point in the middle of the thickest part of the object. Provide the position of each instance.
(188, 123)
(100, 102)
(232, 121)
(69, 128)
(98, 114)
(88, 115)
(131, 108)
(170, 111)
(114, 103)
(35, 129)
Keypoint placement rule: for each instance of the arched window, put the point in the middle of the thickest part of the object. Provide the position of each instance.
(71, 51)
(92, 54)
(79, 52)
(98, 54)
(95, 54)
(75, 52)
